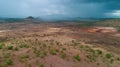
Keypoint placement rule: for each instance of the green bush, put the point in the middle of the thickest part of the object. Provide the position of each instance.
(37, 53)
(118, 58)
(109, 55)
(63, 56)
(77, 57)
(16, 49)
(24, 45)
(10, 47)
(112, 61)
(26, 56)
(44, 45)
(41, 65)
(23, 58)
(53, 52)
(45, 53)
(99, 52)
(9, 62)
(1, 46)
(64, 49)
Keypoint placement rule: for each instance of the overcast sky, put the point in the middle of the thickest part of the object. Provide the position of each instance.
(60, 8)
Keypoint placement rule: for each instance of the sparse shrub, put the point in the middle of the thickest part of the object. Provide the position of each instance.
(24, 45)
(28, 65)
(1, 46)
(34, 48)
(6, 55)
(74, 44)
(21, 46)
(98, 64)
(45, 53)
(37, 53)
(37, 61)
(91, 58)
(16, 49)
(57, 50)
(81, 46)
(10, 47)
(63, 56)
(77, 57)
(99, 52)
(64, 49)
(108, 55)
(118, 59)
(23, 58)
(90, 50)
(1, 65)
(9, 62)
(41, 65)
(73, 41)
(26, 56)
(57, 43)
(112, 60)
(52, 52)
(44, 45)
(49, 47)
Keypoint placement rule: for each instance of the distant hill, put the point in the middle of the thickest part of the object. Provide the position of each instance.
(27, 19)
(110, 22)
(10, 20)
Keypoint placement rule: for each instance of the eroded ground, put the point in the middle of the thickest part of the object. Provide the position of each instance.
(57, 45)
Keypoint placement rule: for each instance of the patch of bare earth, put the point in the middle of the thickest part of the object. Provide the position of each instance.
(56, 46)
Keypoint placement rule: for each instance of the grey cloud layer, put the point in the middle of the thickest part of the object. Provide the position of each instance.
(75, 8)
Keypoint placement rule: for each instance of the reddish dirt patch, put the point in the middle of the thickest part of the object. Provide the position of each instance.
(102, 30)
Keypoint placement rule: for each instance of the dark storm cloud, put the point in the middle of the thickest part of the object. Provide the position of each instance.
(110, 4)
(60, 8)
(95, 1)
(97, 8)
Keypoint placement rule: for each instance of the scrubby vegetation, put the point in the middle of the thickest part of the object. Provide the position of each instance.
(9, 62)
(40, 50)
(77, 57)
(1, 46)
